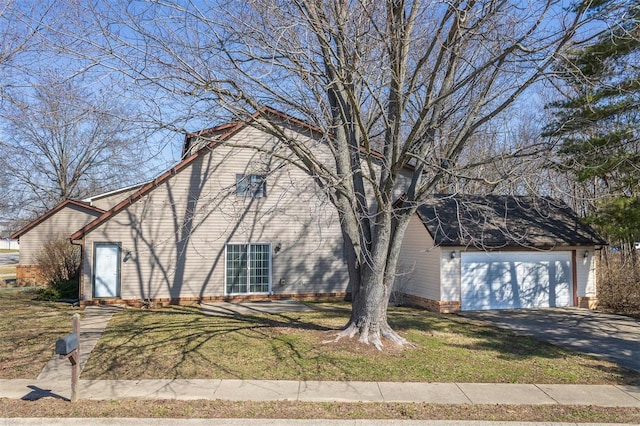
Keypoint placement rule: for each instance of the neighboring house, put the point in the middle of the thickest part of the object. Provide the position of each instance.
(468, 252)
(236, 220)
(5, 242)
(58, 222)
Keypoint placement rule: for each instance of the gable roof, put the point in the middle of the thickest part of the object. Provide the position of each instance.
(67, 203)
(211, 133)
(217, 135)
(220, 131)
(495, 221)
(220, 134)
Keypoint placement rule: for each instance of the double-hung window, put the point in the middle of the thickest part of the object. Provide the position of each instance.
(251, 186)
(248, 268)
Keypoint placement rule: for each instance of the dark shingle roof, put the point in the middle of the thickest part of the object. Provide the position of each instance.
(494, 221)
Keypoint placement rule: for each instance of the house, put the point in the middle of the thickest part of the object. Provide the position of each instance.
(466, 252)
(235, 219)
(59, 222)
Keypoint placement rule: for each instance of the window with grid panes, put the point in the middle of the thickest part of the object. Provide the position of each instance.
(248, 268)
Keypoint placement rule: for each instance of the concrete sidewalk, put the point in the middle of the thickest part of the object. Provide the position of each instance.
(312, 391)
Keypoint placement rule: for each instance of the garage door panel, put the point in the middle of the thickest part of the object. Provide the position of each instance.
(515, 280)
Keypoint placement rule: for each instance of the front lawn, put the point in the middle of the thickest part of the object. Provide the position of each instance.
(181, 342)
(28, 332)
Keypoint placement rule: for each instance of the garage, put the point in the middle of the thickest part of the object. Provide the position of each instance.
(478, 252)
(518, 279)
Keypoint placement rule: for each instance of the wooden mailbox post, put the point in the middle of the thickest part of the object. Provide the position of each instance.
(69, 347)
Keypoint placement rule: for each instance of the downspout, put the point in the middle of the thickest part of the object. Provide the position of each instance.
(81, 277)
(574, 278)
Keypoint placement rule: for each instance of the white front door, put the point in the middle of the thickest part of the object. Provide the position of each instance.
(106, 279)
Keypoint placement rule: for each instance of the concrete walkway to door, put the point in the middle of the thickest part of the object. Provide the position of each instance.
(92, 325)
(615, 338)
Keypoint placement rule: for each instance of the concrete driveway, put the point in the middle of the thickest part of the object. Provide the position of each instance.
(612, 337)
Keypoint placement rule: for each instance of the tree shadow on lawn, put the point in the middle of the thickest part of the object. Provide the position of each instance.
(182, 342)
(507, 345)
(511, 346)
(187, 339)
(477, 336)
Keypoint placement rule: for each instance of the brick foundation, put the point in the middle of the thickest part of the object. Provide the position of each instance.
(432, 305)
(28, 275)
(587, 302)
(165, 301)
(409, 299)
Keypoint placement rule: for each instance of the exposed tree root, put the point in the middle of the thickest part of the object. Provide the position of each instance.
(372, 335)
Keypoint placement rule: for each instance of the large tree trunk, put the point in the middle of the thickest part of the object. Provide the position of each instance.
(372, 284)
(369, 313)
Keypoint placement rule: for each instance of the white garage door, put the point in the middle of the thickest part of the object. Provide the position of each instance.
(506, 280)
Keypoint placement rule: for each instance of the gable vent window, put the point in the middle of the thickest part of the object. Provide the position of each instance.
(251, 186)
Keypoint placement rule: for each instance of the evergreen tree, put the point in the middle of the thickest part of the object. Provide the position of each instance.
(598, 125)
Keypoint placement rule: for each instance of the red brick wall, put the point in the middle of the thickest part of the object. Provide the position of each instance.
(28, 275)
(433, 305)
(587, 302)
(158, 302)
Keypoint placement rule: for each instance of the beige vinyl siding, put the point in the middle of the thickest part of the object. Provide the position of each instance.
(178, 232)
(60, 225)
(419, 269)
(109, 201)
(586, 271)
(450, 274)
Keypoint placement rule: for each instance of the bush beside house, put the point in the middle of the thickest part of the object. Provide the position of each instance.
(619, 282)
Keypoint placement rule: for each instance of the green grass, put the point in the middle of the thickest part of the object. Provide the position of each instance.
(9, 251)
(181, 342)
(28, 332)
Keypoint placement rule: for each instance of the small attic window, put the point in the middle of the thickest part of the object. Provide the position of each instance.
(251, 186)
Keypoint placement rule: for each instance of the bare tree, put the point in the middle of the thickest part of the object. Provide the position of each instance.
(19, 27)
(60, 142)
(397, 89)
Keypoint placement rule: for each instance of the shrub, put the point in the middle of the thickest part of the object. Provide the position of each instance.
(619, 282)
(59, 265)
(67, 289)
(47, 294)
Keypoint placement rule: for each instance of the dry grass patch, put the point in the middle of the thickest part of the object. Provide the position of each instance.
(7, 270)
(28, 332)
(307, 410)
(181, 342)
